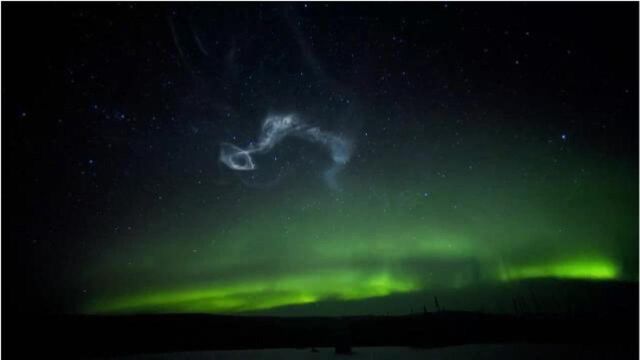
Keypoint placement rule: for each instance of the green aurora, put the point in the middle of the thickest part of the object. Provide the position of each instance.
(392, 232)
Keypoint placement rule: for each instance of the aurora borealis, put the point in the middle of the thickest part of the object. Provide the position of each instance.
(304, 244)
(487, 145)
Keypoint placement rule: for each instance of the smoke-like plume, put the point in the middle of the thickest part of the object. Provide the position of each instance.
(275, 129)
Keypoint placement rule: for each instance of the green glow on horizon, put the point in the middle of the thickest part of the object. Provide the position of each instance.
(259, 295)
(588, 269)
(314, 287)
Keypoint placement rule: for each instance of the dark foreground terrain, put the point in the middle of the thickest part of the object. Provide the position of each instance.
(103, 336)
(509, 351)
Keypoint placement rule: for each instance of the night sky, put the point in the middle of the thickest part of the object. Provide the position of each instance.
(241, 158)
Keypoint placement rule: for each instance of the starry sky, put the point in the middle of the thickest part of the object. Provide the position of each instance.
(488, 145)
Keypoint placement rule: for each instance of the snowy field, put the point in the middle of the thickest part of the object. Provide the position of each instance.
(476, 352)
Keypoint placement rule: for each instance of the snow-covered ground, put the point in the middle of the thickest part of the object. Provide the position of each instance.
(476, 352)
